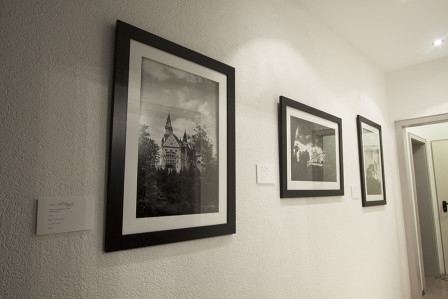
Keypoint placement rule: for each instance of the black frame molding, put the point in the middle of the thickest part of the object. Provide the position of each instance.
(114, 239)
(284, 191)
(366, 203)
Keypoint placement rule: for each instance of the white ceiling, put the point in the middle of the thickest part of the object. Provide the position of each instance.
(391, 33)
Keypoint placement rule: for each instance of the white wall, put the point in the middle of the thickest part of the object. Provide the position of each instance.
(431, 132)
(417, 91)
(56, 97)
(416, 95)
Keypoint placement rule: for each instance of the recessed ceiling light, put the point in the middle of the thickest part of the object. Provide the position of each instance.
(437, 42)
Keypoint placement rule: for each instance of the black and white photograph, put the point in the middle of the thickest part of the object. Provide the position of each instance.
(311, 151)
(177, 153)
(172, 155)
(372, 165)
(371, 162)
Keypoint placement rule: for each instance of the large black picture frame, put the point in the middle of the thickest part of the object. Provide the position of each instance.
(145, 66)
(311, 157)
(371, 165)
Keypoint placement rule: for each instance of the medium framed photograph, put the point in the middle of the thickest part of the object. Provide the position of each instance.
(371, 162)
(310, 151)
(172, 150)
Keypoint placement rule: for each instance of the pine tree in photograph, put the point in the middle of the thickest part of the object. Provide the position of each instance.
(201, 154)
(164, 191)
(148, 159)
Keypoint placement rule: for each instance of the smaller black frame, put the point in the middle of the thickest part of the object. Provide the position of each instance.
(311, 158)
(371, 163)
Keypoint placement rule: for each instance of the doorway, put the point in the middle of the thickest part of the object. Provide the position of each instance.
(427, 216)
(440, 158)
(420, 206)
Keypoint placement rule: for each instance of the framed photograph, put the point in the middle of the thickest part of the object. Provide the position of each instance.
(310, 151)
(172, 150)
(370, 147)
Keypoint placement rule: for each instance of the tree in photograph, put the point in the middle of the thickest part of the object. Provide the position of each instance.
(204, 163)
(163, 191)
(201, 149)
(187, 191)
(148, 158)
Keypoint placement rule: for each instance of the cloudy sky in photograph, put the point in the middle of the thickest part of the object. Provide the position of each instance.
(188, 98)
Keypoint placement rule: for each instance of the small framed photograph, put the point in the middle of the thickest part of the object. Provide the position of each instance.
(172, 150)
(371, 162)
(310, 151)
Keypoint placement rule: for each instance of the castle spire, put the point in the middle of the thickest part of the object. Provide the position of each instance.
(168, 127)
(168, 121)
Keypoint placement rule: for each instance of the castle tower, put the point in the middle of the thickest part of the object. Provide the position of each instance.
(168, 127)
(184, 154)
(174, 150)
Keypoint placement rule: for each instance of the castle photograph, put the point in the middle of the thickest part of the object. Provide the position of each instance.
(177, 152)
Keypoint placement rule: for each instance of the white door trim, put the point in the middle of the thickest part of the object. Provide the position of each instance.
(413, 240)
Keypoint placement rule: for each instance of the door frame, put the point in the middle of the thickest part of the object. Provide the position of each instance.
(437, 208)
(435, 220)
(409, 203)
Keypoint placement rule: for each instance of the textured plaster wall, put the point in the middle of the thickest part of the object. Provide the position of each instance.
(56, 79)
(418, 91)
(415, 92)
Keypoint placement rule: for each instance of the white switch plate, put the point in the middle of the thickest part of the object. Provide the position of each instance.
(265, 173)
(356, 192)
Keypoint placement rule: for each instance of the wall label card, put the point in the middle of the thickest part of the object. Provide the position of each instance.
(265, 174)
(59, 215)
